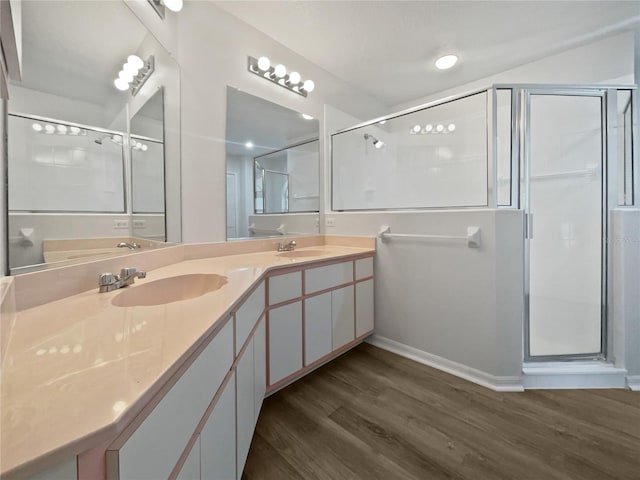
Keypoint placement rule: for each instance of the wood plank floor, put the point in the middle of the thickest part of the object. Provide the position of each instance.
(371, 414)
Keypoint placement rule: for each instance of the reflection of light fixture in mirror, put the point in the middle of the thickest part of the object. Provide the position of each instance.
(382, 122)
(446, 61)
(160, 5)
(57, 129)
(278, 75)
(306, 117)
(249, 145)
(134, 74)
(376, 143)
(429, 129)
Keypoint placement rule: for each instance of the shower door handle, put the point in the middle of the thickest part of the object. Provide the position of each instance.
(529, 225)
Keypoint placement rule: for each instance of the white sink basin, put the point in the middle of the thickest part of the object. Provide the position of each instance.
(168, 290)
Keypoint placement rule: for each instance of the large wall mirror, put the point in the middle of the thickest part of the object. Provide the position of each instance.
(86, 160)
(272, 168)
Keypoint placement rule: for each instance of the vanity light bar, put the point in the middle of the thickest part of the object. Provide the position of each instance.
(429, 129)
(57, 129)
(134, 74)
(278, 75)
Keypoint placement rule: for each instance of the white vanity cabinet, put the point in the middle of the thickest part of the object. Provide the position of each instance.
(154, 448)
(285, 341)
(337, 311)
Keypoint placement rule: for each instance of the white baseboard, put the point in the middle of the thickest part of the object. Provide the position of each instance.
(633, 382)
(498, 384)
(574, 375)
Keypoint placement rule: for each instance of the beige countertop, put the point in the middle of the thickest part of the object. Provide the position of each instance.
(77, 370)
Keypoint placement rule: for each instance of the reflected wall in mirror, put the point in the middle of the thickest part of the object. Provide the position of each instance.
(272, 168)
(79, 182)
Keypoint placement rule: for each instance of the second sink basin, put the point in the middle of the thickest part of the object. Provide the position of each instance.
(167, 290)
(301, 253)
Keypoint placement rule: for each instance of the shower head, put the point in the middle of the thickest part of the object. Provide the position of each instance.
(376, 143)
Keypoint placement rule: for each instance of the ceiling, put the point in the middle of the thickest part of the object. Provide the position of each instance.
(75, 49)
(267, 125)
(387, 48)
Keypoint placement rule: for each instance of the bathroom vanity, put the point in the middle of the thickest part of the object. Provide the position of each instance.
(123, 385)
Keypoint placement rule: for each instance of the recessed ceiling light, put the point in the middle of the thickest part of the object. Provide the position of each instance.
(382, 122)
(307, 117)
(446, 61)
(249, 144)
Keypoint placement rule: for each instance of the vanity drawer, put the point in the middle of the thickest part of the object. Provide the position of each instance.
(321, 278)
(155, 446)
(285, 287)
(248, 315)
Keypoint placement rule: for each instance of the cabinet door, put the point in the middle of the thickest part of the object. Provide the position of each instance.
(342, 316)
(259, 368)
(191, 468)
(317, 327)
(364, 307)
(285, 341)
(153, 450)
(218, 438)
(245, 401)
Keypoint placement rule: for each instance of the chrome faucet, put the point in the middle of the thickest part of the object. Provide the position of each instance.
(284, 247)
(130, 246)
(108, 282)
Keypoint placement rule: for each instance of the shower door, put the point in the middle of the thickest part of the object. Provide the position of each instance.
(564, 197)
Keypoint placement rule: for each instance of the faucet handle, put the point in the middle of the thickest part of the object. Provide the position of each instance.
(142, 274)
(292, 243)
(127, 272)
(105, 279)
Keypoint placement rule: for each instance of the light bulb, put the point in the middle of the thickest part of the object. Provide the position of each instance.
(130, 69)
(294, 78)
(36, 127)
(121, 84)
(446, 61)
(144, 148)
(382, 122)
(307, 117)
(49, 128)
(280, 71)
(428, 128)
(249, 144)
(416, 128)
(378, 144)
(135, 61)
(451, 127)
(74, 130)
(439, 128)
(117, 138)
(126, 76)
(62, 129)
(264, 63)
(173, 5)
(308, 85)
